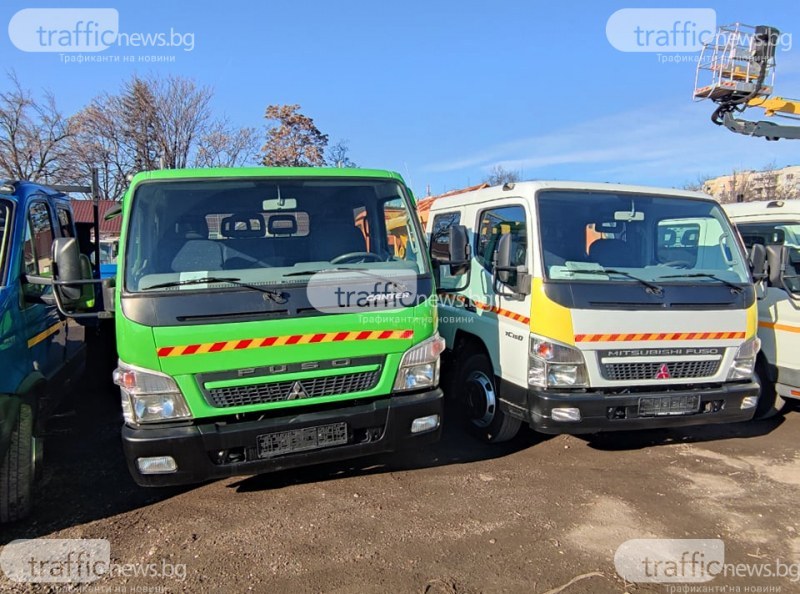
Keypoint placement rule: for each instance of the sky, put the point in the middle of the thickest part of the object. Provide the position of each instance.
(440, 91)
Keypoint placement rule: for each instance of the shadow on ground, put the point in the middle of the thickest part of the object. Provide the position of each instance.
(86, 477)
(635, 440)
(457, 446)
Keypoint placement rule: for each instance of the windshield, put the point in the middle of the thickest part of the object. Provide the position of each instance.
(267, 232)
(607, 237)
(5, 235)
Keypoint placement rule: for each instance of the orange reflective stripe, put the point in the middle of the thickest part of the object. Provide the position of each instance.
(292, 339)
(783, 327)
(657, 336)
(511, 315)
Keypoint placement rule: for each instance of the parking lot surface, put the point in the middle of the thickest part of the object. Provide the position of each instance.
(540, 514)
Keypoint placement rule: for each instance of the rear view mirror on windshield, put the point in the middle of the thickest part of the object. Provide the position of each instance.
(628, 215)
(279, 204)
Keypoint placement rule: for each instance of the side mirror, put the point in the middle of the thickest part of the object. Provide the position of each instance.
(67, 260)
(776, 256)
(502, 258)
(459, 251)
(757, 260)
(516, 278)
(782, 269)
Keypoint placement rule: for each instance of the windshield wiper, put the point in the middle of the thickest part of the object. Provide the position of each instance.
(278, 297)
(365, 271)
(736, 288)
(651, 288)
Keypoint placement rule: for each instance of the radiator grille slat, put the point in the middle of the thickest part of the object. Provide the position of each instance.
(621, 372)
(289, 390)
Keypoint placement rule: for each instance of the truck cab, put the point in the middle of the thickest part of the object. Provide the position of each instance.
(270, 318)
(580, 307)
(775, 225)
(42, 353)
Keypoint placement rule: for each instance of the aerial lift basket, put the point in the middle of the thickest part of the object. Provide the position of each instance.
(737, 65)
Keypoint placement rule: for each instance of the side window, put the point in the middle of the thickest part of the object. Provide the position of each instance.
(396, 223)
(38, 243)
(494, 224)
(65, 225)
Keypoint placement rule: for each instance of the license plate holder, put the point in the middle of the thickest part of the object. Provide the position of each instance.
(668, 406)
(306, 439)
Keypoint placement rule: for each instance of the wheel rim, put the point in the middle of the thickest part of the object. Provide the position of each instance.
(481, 399)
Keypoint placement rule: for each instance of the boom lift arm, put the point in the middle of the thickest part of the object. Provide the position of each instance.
(737, 71)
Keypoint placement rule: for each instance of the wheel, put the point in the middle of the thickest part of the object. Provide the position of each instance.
(480, 401)
(769, 402)
(18, 469)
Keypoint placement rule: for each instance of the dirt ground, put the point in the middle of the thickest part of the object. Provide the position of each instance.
(538, 515)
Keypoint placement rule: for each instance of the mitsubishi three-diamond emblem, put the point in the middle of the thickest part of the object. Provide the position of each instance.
(663, 372)
(297, 391)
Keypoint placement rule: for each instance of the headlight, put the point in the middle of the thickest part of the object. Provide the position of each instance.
(555, 365)
(419, 367)
(149, 396)
(745, 360)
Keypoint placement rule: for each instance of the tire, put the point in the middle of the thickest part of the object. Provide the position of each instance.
(769, 402)
(478, 398)
(17, 470)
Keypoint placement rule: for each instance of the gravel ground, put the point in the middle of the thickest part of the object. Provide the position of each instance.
(540, 514)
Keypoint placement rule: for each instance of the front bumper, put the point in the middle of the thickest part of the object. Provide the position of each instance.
(619, 412)
(376, 427)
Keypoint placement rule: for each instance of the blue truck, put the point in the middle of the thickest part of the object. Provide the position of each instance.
(41, 352)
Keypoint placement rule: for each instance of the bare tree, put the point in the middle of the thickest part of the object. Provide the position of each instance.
(33, 135)
(135, 112)
(151, 124)
(183, 114)
(499, 175)
(339, 155)
(223, 146)
(99, 140)
(738, 189)
(294, 140)
(700, 184)
(773, 185)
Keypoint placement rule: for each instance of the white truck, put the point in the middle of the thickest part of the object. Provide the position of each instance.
(776, 225)
(586, 307)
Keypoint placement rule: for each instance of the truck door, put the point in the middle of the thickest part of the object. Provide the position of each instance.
(504, 317)
(44, 330)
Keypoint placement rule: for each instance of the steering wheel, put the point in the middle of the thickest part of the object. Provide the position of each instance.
(682, 264)
(355, 257)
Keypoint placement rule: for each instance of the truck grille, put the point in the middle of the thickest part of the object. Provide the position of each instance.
(621, 372)
(293, 390)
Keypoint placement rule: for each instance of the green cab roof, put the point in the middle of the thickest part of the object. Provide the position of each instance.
(263, 172)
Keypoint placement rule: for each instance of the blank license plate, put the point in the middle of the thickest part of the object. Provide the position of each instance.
(301, 440)
(662, 406)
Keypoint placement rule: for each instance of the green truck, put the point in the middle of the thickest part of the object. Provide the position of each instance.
(269, 318)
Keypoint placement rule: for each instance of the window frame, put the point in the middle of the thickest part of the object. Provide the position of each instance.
(476, 252)
(5, 241)
(26, 286)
